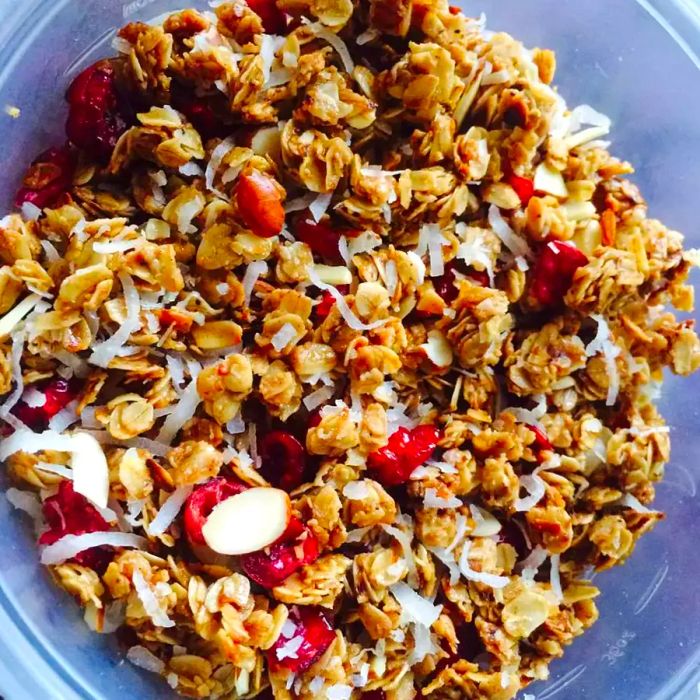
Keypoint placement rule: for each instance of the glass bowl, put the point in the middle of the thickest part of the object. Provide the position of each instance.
(635, 61)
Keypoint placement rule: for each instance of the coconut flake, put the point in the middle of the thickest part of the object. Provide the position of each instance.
(535, 488)
(183, 411)
(34, 398)
(318, 397)
(59, 469)
(290, 649)
(191, 169)
(70, 545)
(405, 541)
(269, 45)
(508, 237)
(169, 510)
(461, 523)
(150, 602)
(342, 305)
(300, 203)
(603, 343)
(630, 501)
(103, 353)
(480, 576)
(368, 35)
(364, 243)
(496, 78)
(319, 206)
(549, 180)
(432, 500)
(339, 691)
(356, 490)
(65, 417)
(145, 659)
(12, 318)
(52, 255)
(217, 155)
(30, 211)
(252, 273)
(336, 42)
(554, 576)
(415, 608)
(283, 337)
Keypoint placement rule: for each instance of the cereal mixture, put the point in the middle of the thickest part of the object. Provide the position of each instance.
(330, 341)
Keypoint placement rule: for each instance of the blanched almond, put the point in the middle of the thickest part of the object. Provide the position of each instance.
(248, 521)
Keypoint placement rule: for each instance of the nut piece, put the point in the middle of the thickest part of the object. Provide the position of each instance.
(248, 521)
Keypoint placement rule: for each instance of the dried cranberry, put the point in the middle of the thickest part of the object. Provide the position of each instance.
(394, 463)
(554, 271)
(95, 119)
(269, 567)
(260, 204)
(445, 285)
(283, 459)
(322, 238)
(470, 644)
(58, 392)
(70, 513)
(203, 500)
(314, 418)
(324, 307)
(376, 694)
(49, 176)
(313, 627)
(202, 117)
(273, 19)
(541, 440)
(479, 277)
(524, 187)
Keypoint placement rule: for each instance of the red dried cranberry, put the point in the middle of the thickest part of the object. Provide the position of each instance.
(49, 176)
(313, 627)
(203, 500)
(394, 463)
(376, 694)
(95, 120)
(314, 418)
(202, 117)
(554, 271)
(70, 513)
(269, 567)
(324, 307)
(541, 440)
(58, 392)
(480, 278)
(273, 19)
(524, 187)
(322, 238)
(283, 459)
(445, 285)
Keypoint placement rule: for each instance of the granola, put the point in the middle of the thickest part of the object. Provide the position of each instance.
(328, 352)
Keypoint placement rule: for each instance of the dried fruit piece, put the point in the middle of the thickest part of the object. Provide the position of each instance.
(248, 521)
(297, 547)
(541, 440)
(299, 649)
(203, 500)
(260, 204)
(405, 452)
(273, 19)
(323, 308)
(58, 394)
(322, 238)
(95, 118)
(554, 271)
(70, 513)
(49, 176)
(524, 187)
(283, 459)
(445, 285)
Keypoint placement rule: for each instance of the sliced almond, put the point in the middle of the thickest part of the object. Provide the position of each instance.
(248, 521)
(329, 274)
(549, 180)
(438, 349)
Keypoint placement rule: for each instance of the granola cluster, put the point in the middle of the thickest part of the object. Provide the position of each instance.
(362, 252)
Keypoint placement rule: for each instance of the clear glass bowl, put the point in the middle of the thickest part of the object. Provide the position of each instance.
(637, 62)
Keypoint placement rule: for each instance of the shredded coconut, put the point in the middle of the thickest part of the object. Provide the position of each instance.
(251, 276)
(70, 545)
(508, 237)
(283, 337)
(482, 577)
(318, 398)
(432, 500)
(145, 659)
(336, 42)
(183, 411)
(217, 156)
(356, 490)
(415, 608)
(149, 600)
(169, 510)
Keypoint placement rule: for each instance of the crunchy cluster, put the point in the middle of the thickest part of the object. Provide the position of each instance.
(360, 251)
